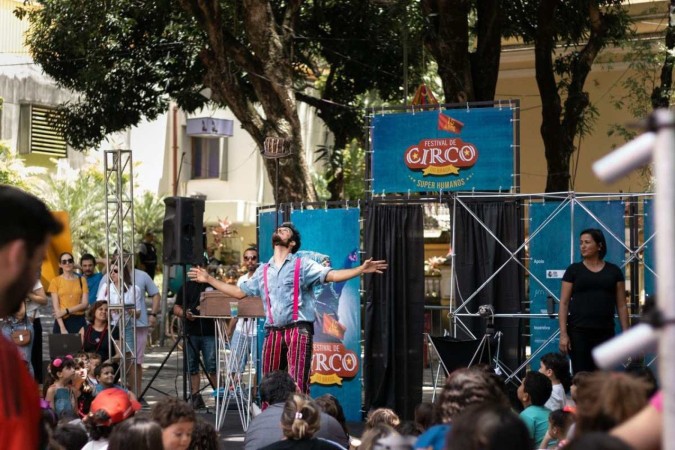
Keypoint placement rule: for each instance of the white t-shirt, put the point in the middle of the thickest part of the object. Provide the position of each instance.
(143, 281)
(557, 398)
(131, 297)
(100, 444)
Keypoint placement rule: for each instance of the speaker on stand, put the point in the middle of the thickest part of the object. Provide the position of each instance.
(183, 245)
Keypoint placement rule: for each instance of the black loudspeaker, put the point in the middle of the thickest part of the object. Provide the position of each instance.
(183, 230)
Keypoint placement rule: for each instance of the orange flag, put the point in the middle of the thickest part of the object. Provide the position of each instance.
(447, 123)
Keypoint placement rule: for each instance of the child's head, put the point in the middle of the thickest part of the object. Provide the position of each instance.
(105, 374)
(110, 407)
(137, 433)
(577, 380)
(62, 368)
(204, 436)
(382, 415)
(488, 426)
(559, 422)
(424, 413)
(556, 367)
(82, 357)
(94, 361)
(177, 420)
(535, 389)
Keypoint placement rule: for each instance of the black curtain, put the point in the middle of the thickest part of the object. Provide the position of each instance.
(392, 366)
(477, 256)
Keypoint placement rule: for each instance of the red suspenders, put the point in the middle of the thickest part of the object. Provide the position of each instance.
(296, 291)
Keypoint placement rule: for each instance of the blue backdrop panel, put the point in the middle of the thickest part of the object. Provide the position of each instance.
(336, 364)
(482, 151)
(650, 248)
(556, 247)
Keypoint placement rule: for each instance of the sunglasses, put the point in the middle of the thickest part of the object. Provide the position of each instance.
(115, 271)
(68, 261)
(250, 258)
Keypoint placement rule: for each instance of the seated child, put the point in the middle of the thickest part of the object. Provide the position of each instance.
(177, 420)
(533, 392)
(61, 395)
(559, 423)
(556, 367)
(105, 376)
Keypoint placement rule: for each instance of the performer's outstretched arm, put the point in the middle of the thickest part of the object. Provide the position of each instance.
(200, 275)
(368, 266)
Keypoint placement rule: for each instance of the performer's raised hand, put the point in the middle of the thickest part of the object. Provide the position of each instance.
(370, 266)
(198, 274)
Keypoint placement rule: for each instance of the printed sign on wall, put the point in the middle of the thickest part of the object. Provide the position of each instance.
(336, 362)
(449, 150)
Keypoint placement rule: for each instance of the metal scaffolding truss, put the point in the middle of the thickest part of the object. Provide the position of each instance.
(119, 222)
(633, 250)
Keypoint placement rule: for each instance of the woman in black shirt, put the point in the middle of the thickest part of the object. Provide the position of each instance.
(591, 291)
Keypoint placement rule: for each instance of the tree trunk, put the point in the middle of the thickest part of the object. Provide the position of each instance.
(448, 41)
(485, 60)
(262, 63)
(560, 126)
(662, 93)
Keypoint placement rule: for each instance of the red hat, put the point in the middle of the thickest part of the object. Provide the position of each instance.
(116, 403)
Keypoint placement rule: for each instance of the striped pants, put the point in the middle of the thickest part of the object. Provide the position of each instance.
(289, 348)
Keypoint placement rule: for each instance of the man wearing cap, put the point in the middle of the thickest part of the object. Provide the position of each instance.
(286, 284)
(25, 229)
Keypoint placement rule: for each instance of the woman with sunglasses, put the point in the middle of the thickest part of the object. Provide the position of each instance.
(131, 295)
(70, 297)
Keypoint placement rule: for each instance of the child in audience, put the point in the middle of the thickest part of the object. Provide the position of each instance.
(85, 390)
(382, 415)
(109, 408)
(577, 380)
(556, 367)
(204, 436)
(533, 392)
(559, 423)
(94, 362)
(61, 395)
(137, 433)
(177, 420)
(105, 376)
(424, 414)
(68, 437)
(488, 426)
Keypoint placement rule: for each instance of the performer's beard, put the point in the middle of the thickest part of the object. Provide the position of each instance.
(277, 240)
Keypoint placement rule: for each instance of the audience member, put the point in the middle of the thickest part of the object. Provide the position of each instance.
(88, 266)
(204, 436)
(382, 415)
(597, 441)
(24, 234)
(463, 387)
(577, 380)
(137, 433)
(300, 421)
(330, 405)
(275, 388)
(69, 436)
(371, 436)
(559, 423)
(606, 400)
(18, 329)
(95, 336)
(34, 301)
(642, 371)
(488, 426)
(556, 367)
(643, 431)
(424, 415)
(409, 428)
(533, 392)
(109, 408)
(177, 420)
(70, 297)
(61, 395)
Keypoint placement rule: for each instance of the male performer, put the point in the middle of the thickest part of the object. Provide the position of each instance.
(286, 284)
(25, 227)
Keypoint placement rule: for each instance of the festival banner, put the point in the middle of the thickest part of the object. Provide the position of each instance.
(555, 247)
(649, 248)
(448, 150)
(336, 361)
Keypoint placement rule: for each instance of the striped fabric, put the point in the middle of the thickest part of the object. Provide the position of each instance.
(289, 348)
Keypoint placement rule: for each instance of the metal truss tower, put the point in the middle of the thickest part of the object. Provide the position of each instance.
(120, 247)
